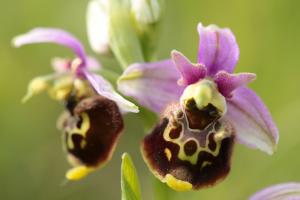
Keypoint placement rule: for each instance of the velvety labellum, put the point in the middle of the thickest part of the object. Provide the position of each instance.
(187, 158)
(91, 130)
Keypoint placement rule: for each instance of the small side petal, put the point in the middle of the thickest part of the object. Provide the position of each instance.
(105, 89)
(190, 73)
(51, 35)
(283, 191)
(229, 82)
(61, 65)
(252, 121)
(153, 85)
(218, 49)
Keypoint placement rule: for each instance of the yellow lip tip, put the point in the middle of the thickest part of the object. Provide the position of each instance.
(176, 184)
(77, 173)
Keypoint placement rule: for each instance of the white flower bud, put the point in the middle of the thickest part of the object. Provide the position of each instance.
(98, 25)
(146, 11)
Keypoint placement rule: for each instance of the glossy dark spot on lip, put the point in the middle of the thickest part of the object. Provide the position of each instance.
(175, 132)
(212, 144)
(76, 139)
(199, 119)
(190, 147)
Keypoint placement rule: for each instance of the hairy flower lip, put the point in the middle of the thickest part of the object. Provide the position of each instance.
(91, 131)
(164, 157)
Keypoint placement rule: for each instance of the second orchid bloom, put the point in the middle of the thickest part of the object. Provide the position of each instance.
(92, 121)
(204, 108)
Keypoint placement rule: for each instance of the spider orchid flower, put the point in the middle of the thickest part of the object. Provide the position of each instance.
(204, 108)
(92, 122)
(283, 191)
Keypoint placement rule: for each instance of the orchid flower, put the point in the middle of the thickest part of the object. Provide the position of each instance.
(93, 121)
(204, 108)
(283, 191)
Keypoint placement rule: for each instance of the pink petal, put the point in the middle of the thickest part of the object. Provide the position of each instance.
(218, 49)
(283, 191)
(51, 35)
(92, 64)
(61, 65)
(229, 82)
(190, 73)
(153, 85)
(104, 88)
(252, 120)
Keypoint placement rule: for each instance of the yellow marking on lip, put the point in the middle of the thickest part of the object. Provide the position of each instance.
(219, 136)
(180, 141)
(80, 131)
(177, 184)
(168, 153)
(205, 163)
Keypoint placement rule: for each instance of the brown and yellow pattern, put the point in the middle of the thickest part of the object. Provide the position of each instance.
(189, 158)
(91, 130)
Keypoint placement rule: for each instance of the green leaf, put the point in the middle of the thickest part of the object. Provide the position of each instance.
(129, 180)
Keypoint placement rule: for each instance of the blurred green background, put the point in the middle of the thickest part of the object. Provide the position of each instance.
(32, 164)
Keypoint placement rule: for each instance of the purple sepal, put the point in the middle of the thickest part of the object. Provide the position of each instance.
(218, 49)
(51, 35)
(104, 88)
(283, 191)
(153, 85)
(252, 120)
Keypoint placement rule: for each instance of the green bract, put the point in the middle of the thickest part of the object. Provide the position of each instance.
(129, 180)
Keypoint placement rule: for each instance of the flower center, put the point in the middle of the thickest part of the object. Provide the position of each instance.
(202, 104)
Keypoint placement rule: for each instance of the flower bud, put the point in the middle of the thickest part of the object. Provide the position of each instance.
(98, 25)
(119, 25)
(147, 14)
(110, 27)
(124, 40)
(146, 11)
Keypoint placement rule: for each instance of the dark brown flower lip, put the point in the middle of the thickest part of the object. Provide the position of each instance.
(91, 132)
(188, 160)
